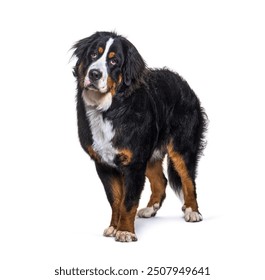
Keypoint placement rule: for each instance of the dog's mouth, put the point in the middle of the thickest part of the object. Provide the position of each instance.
(92, 87)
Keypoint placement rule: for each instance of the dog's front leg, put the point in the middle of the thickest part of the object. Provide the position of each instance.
(113, 183)
(134, 178)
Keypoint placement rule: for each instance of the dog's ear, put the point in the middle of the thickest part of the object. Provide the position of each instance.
(134, 64)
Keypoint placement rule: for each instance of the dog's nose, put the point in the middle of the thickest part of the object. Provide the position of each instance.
(94, 75)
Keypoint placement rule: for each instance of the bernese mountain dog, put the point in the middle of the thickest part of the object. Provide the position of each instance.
(131, 116)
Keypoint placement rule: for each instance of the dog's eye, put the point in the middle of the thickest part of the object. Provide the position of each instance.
(113, 61)
(94, 55)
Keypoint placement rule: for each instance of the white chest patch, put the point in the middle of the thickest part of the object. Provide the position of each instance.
(102, 134)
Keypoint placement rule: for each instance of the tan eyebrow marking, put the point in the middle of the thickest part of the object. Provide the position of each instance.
(100, 50)
(112, 54)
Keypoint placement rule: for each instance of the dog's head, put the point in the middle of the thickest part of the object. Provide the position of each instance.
(106, 63)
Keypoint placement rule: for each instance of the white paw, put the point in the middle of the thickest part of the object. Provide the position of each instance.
(148, 211)
(110, 231)
(192, 216)
(125, 236)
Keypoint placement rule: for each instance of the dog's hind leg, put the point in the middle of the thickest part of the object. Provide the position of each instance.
(158, 182)
(186, 184)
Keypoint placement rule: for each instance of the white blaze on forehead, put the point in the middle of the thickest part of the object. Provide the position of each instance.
(101, 62)
(101, 65)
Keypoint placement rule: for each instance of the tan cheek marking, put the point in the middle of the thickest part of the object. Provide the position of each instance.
(111, 86)
(100, 50)
(112, 54)
(187, 184)
(125, 156)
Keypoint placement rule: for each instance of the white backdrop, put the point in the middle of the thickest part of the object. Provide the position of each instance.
(53, 207)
